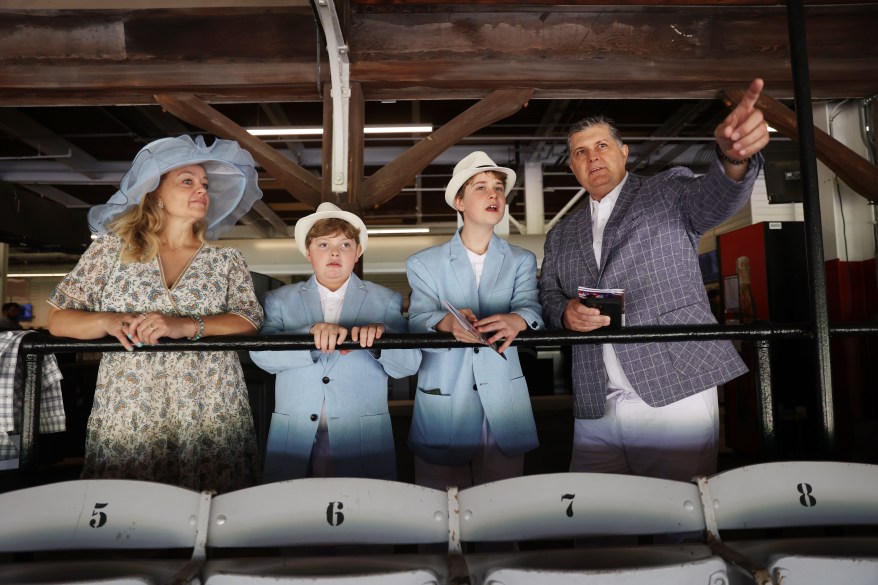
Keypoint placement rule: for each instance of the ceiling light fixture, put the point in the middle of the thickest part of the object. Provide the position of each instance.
(37, 275)
(318, 131)
(388, 231)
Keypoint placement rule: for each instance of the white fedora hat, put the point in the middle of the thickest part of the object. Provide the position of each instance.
(327, 210)
(473, 164)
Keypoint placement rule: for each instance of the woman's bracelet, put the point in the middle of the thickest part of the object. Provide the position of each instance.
(728, 159)
(199, 328)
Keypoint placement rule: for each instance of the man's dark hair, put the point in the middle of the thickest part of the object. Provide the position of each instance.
(590, 122)
(7, 306)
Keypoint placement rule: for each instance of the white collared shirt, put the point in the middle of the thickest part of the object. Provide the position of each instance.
(600, 215)
(332, 301)
(477, 261)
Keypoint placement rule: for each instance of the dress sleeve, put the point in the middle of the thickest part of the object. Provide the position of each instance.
(82, 287)
(241, 298)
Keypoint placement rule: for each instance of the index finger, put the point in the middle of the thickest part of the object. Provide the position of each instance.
(751, 96)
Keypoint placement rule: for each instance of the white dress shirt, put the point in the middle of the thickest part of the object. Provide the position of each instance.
(600, 215)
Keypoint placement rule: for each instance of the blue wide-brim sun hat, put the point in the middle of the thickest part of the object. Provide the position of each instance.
(231, 176)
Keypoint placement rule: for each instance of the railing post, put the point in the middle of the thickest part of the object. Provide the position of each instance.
(765, 402)
(30, 409)
(813, 226)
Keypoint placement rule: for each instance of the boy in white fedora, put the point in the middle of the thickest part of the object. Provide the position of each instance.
(472, 420)
(331, 417)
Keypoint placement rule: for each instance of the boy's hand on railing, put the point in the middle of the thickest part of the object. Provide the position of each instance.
(328, 335)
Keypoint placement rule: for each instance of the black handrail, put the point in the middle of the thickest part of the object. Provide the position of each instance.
(35, 345)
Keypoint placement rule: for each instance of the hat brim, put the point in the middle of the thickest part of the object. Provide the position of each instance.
(459, 179)
(231, 174)
(304, 225)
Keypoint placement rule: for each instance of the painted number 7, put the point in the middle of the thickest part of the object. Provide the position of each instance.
(570, 507)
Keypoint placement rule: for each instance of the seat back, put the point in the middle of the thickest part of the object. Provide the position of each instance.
(102, 514)
(322, 511)
(567, 505)
(793, 493)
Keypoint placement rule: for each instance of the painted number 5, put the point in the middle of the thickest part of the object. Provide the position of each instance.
(101, 517)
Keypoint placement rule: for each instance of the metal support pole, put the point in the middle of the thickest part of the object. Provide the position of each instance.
(765, 404)
(813, 225)
(30, 410)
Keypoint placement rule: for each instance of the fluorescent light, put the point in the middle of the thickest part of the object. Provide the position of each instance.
(318, 131)
(37, 275)
(388, 231)
(315, 131)
(397, 129)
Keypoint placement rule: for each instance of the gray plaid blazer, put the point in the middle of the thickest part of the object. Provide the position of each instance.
(650, 249)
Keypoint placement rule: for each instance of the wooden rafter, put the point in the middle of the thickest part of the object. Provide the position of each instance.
(300, 183)
(857, 172)
(387, 182)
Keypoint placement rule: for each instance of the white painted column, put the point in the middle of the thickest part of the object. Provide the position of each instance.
(534, 208)
(848, 230)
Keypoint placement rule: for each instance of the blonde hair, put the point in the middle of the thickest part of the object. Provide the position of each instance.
(140, 225)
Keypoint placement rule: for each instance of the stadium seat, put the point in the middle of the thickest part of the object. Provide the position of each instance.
(574, 505)
(794, 495)
(328, 512)
(100, 524)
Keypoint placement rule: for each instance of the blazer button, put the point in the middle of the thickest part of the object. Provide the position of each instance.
(476, 387)
(476, 350)
(326, 379)
(314, 417)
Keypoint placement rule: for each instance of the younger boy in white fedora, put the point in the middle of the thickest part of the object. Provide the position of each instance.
(331, 417)
(472, 420)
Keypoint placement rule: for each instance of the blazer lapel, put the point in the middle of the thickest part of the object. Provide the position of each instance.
(496, 256)
(619, 219)
(463, 271)
(312, 301)
(586, 242)
(354, 297)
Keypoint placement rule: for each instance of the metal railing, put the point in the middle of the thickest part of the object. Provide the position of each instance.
(36, 345)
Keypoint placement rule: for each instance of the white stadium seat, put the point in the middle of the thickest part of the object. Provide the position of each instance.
(572, 505)
(329, 511)
(103, 517)
(797, 494)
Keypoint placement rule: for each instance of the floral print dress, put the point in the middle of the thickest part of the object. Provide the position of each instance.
(181, 418)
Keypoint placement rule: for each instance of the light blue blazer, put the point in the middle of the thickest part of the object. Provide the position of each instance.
(354, 386)
(458, 387)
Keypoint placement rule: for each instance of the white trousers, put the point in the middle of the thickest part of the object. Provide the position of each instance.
(678, 441)
(489, 464)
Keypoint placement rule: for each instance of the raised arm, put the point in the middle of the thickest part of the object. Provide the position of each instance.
(742, 134)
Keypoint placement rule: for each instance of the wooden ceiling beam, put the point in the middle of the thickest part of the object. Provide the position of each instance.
(387, 181)
(300, 183)
(858, 173)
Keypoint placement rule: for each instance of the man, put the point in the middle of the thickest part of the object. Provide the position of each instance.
(647, 408)
(9, 321)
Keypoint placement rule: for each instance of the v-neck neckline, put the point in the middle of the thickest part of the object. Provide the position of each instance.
(182, 272)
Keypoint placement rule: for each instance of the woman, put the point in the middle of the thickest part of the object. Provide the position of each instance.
(181, 418)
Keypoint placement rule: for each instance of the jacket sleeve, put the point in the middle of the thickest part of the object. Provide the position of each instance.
(274, 362)
(552, 297)
(398, 363)
(525, 293)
